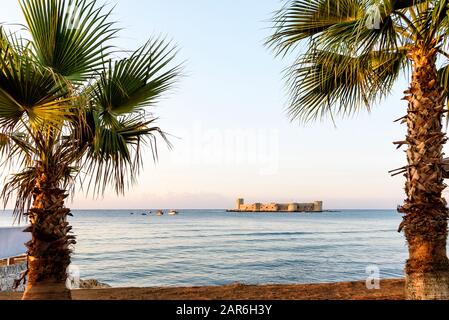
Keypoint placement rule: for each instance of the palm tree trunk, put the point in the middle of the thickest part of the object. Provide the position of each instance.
(425, 210)
(49, 250)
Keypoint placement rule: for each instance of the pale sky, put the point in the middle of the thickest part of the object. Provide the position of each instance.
(235, 139)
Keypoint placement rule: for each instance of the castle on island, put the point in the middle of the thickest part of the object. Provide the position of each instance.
(316, 206)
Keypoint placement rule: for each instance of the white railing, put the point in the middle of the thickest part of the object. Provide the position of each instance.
(12, 242)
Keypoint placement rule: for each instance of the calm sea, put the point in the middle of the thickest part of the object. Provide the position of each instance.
(212, 247)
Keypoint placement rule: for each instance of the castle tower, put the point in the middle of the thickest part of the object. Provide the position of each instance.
(318, 206)
(240, 203)
(293, 207)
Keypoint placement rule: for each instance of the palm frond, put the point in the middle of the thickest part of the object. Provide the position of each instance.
(438, 21)
(4, 42)
(356, 50)
(20, 185)
(443, 76)
(65, 105)
(113, 155)
(15, 148)
(26, 89)
(136, 82)
(70, 36)
(355, 26)
(404, 4)
(302, 19)
(326, 83)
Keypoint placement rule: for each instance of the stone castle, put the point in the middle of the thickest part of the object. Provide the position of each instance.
(278, 207)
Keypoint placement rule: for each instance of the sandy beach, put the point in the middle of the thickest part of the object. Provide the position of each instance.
(390, 290)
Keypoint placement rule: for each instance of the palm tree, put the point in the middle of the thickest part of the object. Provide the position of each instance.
(355, 50)
(71, 113)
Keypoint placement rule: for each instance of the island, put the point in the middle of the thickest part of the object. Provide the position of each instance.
(316, 206)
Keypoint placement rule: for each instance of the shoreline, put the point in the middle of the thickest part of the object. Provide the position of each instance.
(392, 289)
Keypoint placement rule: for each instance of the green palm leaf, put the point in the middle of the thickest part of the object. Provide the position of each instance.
(302, 19)
(69, 36)
(119, 124)
(26, 89)
(404, 4)
(443, 75)
(15, 146)
(138, 81)
(113, 155)
(356, 49)
(71, 112)
(324, 82)
(355, 26)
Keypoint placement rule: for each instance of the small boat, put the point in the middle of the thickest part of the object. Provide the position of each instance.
(160, 213)
(144, 214)
(173, 213)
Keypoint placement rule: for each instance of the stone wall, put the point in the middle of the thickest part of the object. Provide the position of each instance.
(271, 207)
(7, 276)
(306, 207)
(279, 207)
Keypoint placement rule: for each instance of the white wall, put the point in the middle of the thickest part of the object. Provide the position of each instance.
(12, 242)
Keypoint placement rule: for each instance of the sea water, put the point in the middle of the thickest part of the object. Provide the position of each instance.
(213, 247)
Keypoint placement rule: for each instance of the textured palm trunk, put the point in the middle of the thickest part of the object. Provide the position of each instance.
(425, 210)
(49, 250)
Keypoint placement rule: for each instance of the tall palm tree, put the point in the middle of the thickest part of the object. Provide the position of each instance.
(71, 113)
(355, 50)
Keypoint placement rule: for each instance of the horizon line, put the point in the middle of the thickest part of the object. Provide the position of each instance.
(140, 209)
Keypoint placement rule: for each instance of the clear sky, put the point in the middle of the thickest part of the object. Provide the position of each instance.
(233, 138)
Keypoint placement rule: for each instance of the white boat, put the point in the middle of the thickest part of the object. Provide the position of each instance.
(173, 213)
